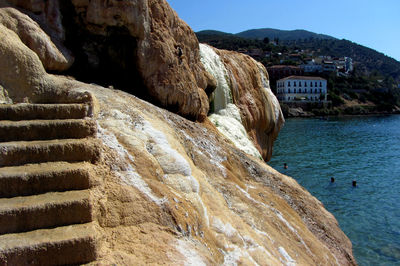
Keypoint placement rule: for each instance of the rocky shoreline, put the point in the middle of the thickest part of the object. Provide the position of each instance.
(335, 112)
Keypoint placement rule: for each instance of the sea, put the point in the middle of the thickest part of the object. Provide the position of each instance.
(364, 149)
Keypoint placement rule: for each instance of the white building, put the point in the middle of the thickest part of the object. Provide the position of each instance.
(300, 88)
(311, 67)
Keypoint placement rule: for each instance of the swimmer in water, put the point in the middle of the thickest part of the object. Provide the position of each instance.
(354, 183)
(332, 180)
(285, 166)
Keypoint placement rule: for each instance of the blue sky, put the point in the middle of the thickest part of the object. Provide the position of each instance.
(373, 23)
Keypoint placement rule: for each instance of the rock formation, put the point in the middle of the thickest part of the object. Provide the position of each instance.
(164, 189)
(54, 57)
(165, 50)
(243, 97)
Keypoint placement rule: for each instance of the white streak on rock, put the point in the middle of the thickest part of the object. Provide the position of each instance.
(288, 259)
(226, 229)
(268, 92)
(279, 215)
(210, 148)
(157, 144)
(191, 256)
(226, 115)
(124, 169)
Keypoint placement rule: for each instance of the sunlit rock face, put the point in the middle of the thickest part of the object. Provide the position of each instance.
(53, 55)
(140, 45)
(163, 48)
(243, 100)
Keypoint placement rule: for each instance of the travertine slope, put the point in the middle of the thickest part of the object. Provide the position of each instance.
(178, 192)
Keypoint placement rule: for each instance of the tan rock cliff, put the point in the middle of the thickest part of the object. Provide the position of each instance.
(167, 49)
(53, 55)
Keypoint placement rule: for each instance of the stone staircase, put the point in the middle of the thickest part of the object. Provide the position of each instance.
(46, 156)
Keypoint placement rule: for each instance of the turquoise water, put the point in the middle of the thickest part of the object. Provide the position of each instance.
(365, 149)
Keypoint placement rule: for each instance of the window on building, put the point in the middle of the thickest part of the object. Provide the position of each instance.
(315, 91)
(288, 90)
(294, 90)
(311, 84)
(299, 83)
(320, 84)
(305, 90)
(299, 90)
(288, 84)
(294, 83)
(319, 90)
(316, 85)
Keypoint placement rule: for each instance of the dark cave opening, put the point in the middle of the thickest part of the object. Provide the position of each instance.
(107, 60)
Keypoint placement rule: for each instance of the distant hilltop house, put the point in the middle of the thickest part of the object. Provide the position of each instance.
(301, 88)
(281, 71)
(311, 66)
(255, 53)
(342, 65)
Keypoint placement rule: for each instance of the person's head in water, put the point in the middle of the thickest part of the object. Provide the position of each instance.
(354, 183)
(285, 165)
(332, 180)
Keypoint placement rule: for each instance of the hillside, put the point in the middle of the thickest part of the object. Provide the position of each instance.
(374, 80)
(214, 33)
(283, 35)
(366, 60)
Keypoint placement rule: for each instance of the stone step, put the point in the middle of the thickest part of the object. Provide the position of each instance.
(26, 111)
(21, 214)
(69, 150)
(68, 245)
(34, 179)
(46, 129)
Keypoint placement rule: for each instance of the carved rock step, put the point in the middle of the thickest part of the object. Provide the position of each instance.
(34, 179)
(21, 214)
(69, 150)
(74, 244)
(25, 111)
(46, 129)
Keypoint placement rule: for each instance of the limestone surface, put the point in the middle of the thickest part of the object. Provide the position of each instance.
(177, 192)
(54, 57)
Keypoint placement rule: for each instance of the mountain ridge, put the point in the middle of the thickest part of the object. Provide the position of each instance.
(285, 35)
(260, 34)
